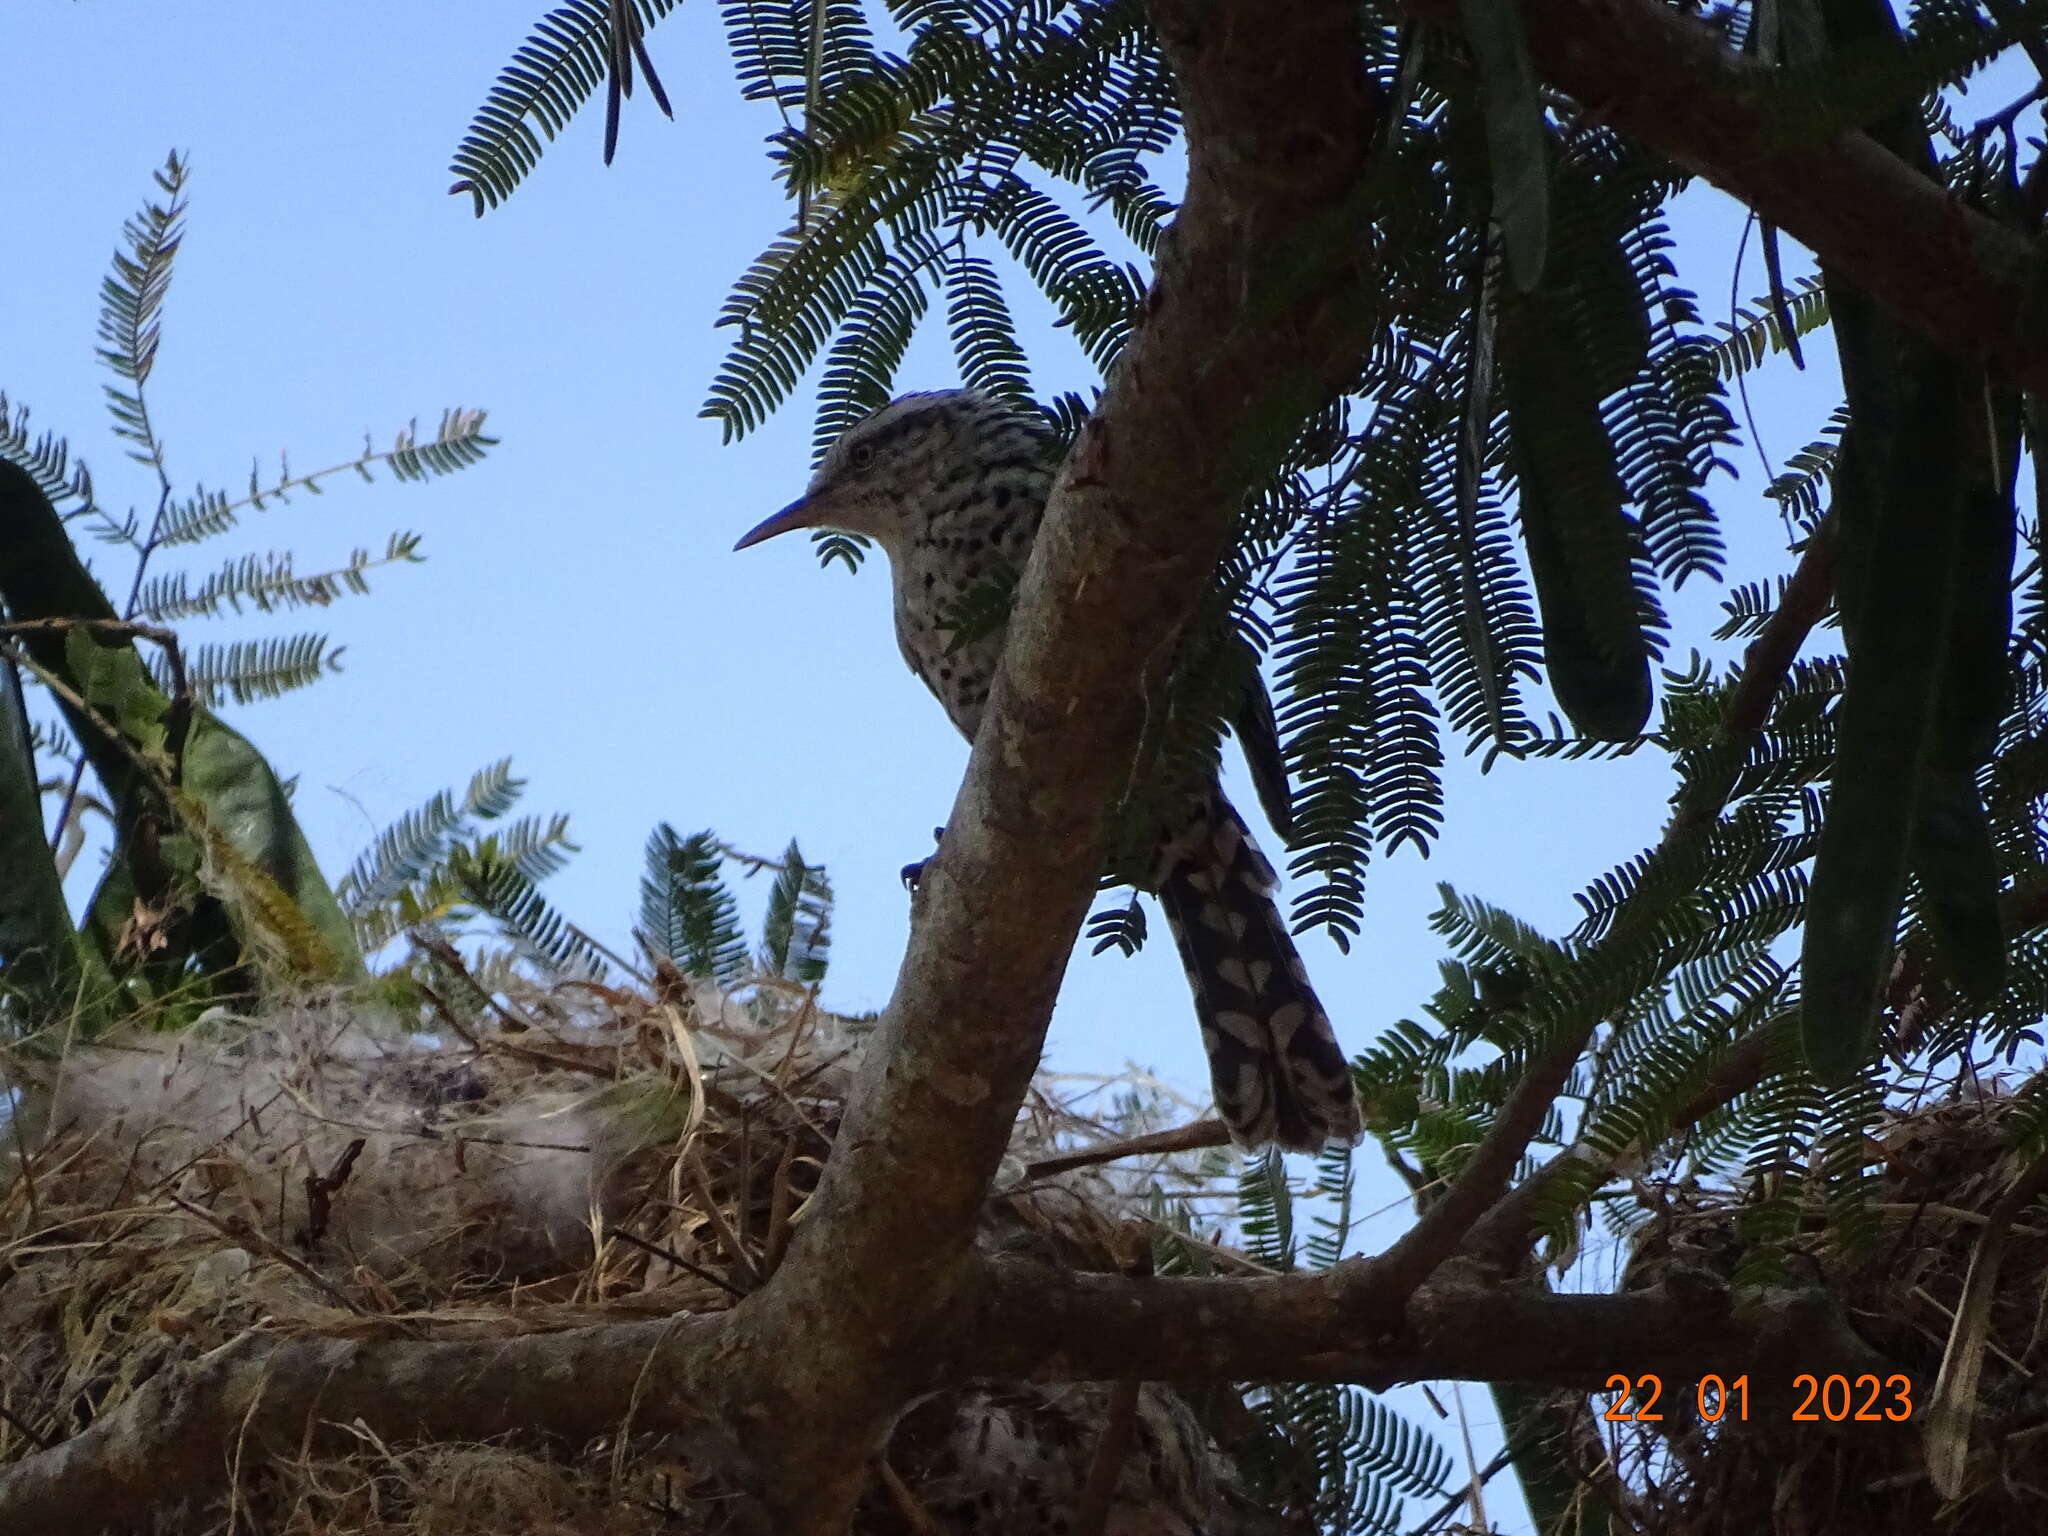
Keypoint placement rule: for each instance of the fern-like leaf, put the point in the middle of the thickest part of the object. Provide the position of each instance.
(1121, 928)
(796, 935)
(266, 583)
(552, 74)
(48, 461)
(1265, 1211)
(686, 911)
(412, 845)
(457, 443)
(501, 891)
(248, 670)
(131, 308)
(1757, 331)
(984, 335)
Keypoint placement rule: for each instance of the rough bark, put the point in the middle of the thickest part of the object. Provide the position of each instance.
(1256, 312)
(1205, 398)
(184, 1433)
(1357, 1323)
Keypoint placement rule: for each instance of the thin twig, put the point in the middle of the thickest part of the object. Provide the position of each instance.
(1186, 1138)
(243, 1234)
(780, 1202)
(1952, 1405)
(25, 1160)
(608, 952)
(1770, 655)
(1742, 374)
(435, 945)
(1766, 664)
(700, 1180)
(23, 1430)
(125, 629)
(526, 1053)
(321, 1190)
(670, 1256)
(1486, 1475)
(908, 1505)
(2005, 117)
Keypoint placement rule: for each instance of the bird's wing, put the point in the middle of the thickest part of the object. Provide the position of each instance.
(1258, 733)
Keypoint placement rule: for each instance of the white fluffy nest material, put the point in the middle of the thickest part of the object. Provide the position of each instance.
(368, 1150)
(592, 1154)
(371, 1154)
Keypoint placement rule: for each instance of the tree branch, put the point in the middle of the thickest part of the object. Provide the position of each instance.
(1502, 1233)
(1255, 316)
(1206, 1132)
(1665, 78)
(180, 1434)
(1350, 1323)
(1483, 1181)
(1203, 402)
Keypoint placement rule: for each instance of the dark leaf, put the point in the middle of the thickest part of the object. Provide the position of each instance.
(1516, 138)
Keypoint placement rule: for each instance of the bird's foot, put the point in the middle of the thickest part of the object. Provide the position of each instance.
(913, 874)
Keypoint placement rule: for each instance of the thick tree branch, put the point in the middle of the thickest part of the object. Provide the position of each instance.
(182, 1433)
(1351, 1324)
(1203, 401)
(1666, 79)
(1255, 315)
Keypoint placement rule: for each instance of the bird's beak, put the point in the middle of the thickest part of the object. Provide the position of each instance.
(801, 513)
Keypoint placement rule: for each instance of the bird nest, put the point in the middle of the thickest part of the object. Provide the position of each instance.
(589, 1154)
(1896, 1269)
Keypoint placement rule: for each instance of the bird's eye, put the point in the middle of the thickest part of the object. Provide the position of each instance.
(861, 455)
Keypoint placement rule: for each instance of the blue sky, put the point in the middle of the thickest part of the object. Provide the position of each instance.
(582, 610)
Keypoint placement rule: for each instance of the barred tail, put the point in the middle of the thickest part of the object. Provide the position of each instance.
(1278, 1072)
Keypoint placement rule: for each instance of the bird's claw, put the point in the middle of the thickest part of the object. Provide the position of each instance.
(914, 873)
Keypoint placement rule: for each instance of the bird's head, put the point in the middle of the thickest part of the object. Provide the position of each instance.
(909, 462)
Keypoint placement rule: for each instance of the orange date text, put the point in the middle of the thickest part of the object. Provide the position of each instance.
(1832, 1399)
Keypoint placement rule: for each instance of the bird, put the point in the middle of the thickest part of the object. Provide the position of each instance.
(952, 485)
(992, 1458)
